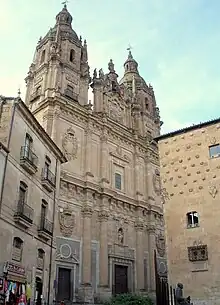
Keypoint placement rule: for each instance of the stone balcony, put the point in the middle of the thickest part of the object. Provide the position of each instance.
(24, 214)
(28, 160)
(48, 179)
(45, 230)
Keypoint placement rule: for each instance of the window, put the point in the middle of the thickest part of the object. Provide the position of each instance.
(40, 259)
(192, 219)
(214, 151)
(146, 103)
(198, 253)
(117, 181)
(42, 57)
(22, 192)
(43, 209)
(47, 166)
(17, 249)
(72, 55)
(114, 87)
(28, 141)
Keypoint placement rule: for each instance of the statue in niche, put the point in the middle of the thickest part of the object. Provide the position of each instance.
(179, 295)
(120, 236)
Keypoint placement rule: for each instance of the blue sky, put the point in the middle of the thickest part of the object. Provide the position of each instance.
(176, 43)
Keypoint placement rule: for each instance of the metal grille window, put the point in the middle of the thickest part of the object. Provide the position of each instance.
(214, 151)
(117, 181)
(192, 219)
(198, 253)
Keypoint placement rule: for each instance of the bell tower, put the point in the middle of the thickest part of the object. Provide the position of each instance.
(60, 66)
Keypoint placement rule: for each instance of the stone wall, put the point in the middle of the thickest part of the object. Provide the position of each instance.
(190, 183)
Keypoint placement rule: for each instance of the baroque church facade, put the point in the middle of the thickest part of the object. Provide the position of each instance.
(109, 219)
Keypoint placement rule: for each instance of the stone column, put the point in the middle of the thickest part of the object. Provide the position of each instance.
(88, 153)
(103, 258)
(152, 247)
(86, 251)
(54, 125)
(139, 255)
(85, 291)
(104, 174)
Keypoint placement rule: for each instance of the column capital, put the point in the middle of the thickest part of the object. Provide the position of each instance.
(87, 211)
(151, 228)
(103, 215)
(139, 226)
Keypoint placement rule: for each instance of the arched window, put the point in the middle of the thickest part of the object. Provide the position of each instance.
(17, 249)
(40, 259)
(146, 103)
(192, 219)
(42, 56)
(72, 55)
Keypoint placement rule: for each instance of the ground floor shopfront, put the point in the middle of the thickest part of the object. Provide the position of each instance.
(16, 286)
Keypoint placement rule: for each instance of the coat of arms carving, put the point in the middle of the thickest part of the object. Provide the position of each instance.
(70, 144)
(67, 222)
(160, 244)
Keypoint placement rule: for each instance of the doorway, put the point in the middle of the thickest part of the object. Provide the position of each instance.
(64, 284)
(121, 279)
(39, 290)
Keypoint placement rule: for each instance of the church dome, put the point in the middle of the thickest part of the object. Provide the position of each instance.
(131, 72)
(63, 26)
(64, 17)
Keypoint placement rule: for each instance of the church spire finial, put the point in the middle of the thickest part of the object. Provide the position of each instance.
(129, 48)
(65, 3)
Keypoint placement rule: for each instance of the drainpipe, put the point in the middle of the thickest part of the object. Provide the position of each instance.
(16, 101)
(51, 244)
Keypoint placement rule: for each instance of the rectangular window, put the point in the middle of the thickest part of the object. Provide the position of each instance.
(198, 253)
(192, 220)
(117, 181)
(47, 166)
(22, 192)
(214, 151)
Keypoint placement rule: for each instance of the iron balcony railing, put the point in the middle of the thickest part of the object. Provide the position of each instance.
(24, 211)
(47, 175)
(46, 226)
(28, 155)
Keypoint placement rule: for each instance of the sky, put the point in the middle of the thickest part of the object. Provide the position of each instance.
(176, 44)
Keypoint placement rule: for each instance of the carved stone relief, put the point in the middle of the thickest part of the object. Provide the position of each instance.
(213, 191)
(157, 182)
(67, 222)
(70, 144)
(115, 111)
(70, 191)
(160, 244)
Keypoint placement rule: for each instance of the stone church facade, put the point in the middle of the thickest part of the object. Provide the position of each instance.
(110, 217)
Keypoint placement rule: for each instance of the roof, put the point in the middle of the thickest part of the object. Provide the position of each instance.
(22, 106)
(187, 129)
